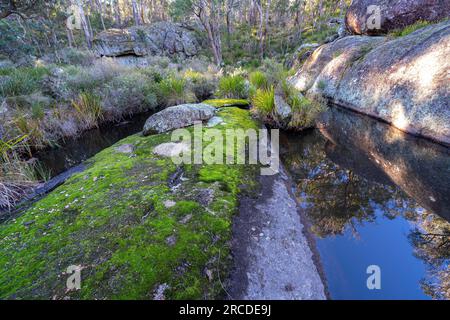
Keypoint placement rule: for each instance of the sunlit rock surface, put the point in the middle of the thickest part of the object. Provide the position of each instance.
(420, 168)
(394, 14)
(162, 38)
(403, 81)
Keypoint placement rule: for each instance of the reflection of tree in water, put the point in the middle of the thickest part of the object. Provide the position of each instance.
(431, 241)
(336, 199)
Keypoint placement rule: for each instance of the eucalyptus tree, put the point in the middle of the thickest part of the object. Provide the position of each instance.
(209, 13)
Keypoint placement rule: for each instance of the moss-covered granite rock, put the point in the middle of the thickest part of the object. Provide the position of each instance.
(140, 227)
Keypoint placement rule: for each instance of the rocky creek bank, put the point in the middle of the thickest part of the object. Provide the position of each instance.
(402, 80)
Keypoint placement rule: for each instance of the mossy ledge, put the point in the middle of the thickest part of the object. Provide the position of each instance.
(221, 103)
(114, 221)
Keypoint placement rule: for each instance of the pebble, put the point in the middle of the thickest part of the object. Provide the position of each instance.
(169, 203)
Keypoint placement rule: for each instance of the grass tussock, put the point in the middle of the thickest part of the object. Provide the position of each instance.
(88, 107)
(304, 112)
(258, 79)
(233, 86)
(263, 101)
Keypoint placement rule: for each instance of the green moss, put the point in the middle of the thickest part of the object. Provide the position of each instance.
(409, 29)
(114, 221)
(220, 103)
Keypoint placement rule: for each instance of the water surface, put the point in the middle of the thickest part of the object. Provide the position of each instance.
(73, 151)
(374, 196)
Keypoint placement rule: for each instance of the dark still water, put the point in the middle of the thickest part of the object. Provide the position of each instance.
(374, 196)
(75, 150)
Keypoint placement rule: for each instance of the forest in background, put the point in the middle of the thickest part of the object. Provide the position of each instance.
(236, 30)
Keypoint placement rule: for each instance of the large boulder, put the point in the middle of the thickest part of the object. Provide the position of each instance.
(394, 14)
(162, 38)
(180, 116)
(403, 81)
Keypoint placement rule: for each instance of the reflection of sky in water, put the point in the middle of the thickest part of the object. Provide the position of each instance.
(383, 243)
(357, 222)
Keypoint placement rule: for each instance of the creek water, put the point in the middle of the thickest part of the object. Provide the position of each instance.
(73, 151)
(372, 194)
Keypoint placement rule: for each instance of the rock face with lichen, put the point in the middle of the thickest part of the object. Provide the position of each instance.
(162, 38)
(394, 14)
(403, 81)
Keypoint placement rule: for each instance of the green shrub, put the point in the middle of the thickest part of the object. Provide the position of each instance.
(32, 129)
(200, 86)
(203, 89)
(232, 87)
(258, 79)
(90, 78)
(274, 71)
(127, 94)
(172, 91)
(37, 111)
(21, 81)
(263, 101)
(155, 74)
(304, 112)
(14, 172)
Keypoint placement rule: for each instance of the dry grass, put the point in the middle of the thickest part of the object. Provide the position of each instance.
(16, 175)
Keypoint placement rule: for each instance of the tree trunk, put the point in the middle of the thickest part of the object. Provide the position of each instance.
(230, 4)
(70, 37)
(266, 27)
(136, 17)
(84, 24)
(100, 12)
(261, 26)
(117, 15)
